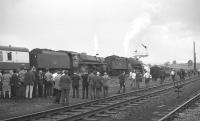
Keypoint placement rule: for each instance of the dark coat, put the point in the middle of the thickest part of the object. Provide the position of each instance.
(36, 74)
(65, 82)
(122, 78)
(91, 79)
(138, 77)
(29, 78)
(75, 80)
(15, 81)
(85, 80)
(98, 81)
(162, 74)
(41, 78)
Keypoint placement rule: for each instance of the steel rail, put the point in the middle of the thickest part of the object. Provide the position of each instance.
(171, 115)
(102, 100)
(117, 104)
(100, 110)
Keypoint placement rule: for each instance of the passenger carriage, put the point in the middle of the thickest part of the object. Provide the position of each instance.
(12, 58)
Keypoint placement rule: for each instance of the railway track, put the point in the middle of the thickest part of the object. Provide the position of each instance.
(174, 113)
(96, 109)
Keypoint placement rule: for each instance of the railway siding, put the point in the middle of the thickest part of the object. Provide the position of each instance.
(157, 107)
(186, 111)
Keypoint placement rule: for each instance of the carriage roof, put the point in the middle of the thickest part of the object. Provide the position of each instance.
(10, 48)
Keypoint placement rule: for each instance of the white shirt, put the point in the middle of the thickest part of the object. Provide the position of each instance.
(133, 75)
(147, 75)
(54, 75)
(172, 73)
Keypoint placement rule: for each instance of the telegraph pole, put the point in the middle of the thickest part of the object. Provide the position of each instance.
(194, 57)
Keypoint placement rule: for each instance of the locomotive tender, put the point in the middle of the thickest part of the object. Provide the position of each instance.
(44, 58)
(15, 57)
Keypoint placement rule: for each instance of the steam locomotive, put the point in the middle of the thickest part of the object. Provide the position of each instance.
(17, 57)
(116, 65)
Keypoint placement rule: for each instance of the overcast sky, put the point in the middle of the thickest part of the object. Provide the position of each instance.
(167, 27)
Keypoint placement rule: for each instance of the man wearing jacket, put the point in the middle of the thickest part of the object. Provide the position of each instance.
(15, 84)
(85, 85)
(98, 84)
(57, 89)
(29, 79)
(92, 87)
(122, 78)
(75, 85)
(65, 84)
(147, 78)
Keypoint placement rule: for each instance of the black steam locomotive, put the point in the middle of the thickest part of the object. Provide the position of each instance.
(116, 65)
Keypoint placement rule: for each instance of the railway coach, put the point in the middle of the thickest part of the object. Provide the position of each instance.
(12, 58)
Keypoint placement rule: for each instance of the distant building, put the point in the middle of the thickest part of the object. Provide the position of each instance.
(184, 66)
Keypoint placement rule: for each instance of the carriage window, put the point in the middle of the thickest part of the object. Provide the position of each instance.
(1, 56)
(9, 55)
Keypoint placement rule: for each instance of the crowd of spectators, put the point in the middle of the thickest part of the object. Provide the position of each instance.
(32, 83)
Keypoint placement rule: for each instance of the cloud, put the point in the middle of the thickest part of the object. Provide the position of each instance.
(140, 23)
(136, 26)
(168, 27)
(14, 40)
(174, 40)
